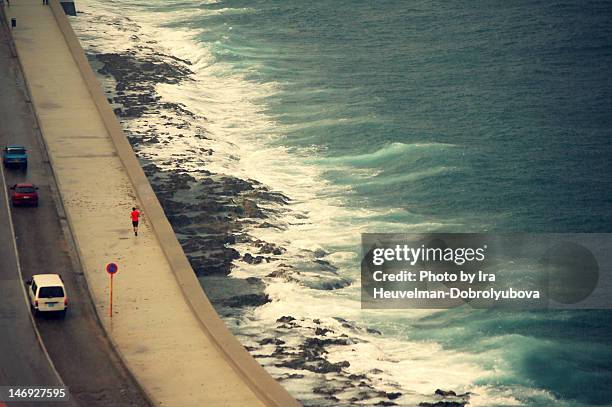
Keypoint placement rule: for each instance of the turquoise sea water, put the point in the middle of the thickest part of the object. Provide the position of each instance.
(424, 116)
(509, 101)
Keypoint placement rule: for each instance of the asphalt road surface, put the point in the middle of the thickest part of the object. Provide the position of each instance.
(22, 359)
(77, 345)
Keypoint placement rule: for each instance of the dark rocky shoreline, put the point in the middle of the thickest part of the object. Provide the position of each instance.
(210, 213)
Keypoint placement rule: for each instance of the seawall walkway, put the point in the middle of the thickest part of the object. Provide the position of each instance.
(163, 326)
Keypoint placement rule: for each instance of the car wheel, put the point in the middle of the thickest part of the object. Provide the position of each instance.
(63, 313)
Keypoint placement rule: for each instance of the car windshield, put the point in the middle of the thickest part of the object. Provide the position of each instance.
(50, 292)
(25, 190)
(13, 150)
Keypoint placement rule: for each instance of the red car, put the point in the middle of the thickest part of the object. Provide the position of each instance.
(24, 194)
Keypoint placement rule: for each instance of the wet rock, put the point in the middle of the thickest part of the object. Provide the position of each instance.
(452, 399)
(217, 260)
(321, 343)
(287, 326)
(249, 258)
(251, 210)
(269, 248)
(327, 266)
(275, 197)
(326, 390)
(393, 395)
(247, 300)
(282, 273)
(290, 376)
(319, 253)
(328, 284)
(264, 225)
(273, 341)
(322, 366)
(179, 221)
(235, 185)
(254, 280)
(322, 331)
(451, 393)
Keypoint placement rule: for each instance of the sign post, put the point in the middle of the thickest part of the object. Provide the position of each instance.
(111, 269)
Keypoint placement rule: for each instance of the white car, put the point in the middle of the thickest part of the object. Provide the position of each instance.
(47, 294)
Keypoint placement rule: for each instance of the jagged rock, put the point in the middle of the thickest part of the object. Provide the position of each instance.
(320, 253)
(373, 331)
(269, 248)
(179, 221)
(319, 343)
(273, 341)
(393, 395)
(278, 273)
(251, 210)
(327, 266)
(450, 393)
(250, 300)
(249, 258)
(326, 390)
(322, 331)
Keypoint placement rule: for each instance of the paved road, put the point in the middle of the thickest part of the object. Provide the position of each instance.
(77, 344)
(22, 360)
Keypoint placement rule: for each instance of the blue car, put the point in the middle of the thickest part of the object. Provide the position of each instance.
(15, 156)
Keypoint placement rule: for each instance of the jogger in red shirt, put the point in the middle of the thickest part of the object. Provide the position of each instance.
(135, 216)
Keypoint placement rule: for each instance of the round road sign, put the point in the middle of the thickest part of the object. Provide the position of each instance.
(112, 268)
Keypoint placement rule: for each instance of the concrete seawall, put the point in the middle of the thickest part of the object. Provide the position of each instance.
(165, 328)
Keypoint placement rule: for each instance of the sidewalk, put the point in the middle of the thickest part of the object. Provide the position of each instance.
(153, 327)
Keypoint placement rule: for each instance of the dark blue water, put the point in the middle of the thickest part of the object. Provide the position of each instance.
(521, 91)
(447, 115)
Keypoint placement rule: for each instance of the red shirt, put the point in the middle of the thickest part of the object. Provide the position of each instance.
(135, 215)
